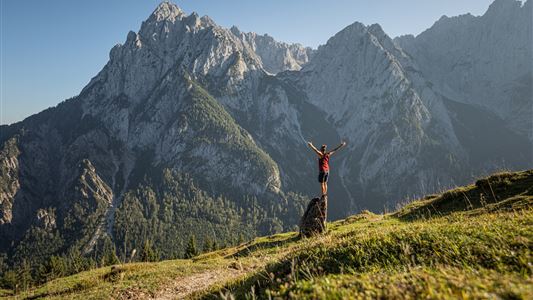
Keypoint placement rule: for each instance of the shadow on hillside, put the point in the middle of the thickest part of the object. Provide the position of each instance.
(503, 191)
(77, 288)
(251, 246)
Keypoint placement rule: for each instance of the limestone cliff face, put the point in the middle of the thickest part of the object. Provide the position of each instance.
(275, 56)
(482, 60)
(91, 207)
(359, 80)
(10, 179)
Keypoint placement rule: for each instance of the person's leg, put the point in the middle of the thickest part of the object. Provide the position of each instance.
(323, 187)
(322, 180)
(325, 183)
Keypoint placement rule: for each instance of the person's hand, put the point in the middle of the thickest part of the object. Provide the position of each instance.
(309, 144)
(343, 143)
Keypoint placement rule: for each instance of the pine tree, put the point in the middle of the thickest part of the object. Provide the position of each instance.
(76, 261)
(57, 267)
(43, 273)
(191, 250)
(208, 245)
(24, 275)
(148, 253)
(3, 263)
(9, 280)
(109, 254)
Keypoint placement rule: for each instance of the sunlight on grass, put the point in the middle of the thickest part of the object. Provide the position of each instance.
(459, 244)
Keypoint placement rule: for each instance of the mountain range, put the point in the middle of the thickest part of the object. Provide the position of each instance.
(192, 128)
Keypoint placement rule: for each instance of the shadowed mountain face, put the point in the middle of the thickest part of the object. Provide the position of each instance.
(486, 61)
(194, 128)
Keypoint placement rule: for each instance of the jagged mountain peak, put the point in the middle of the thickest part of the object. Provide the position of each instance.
(355, 27)
(168, 39)
(376, 29)
(171, 18)
(350, 32)
(506, 9)
(353, 36)
(167, 11)
(445, 19)
(356, 31)
(505, 4)
(445, 23)
(207, 20)
(275, 56)
(499, 11)
(235, 30)
(356, 52)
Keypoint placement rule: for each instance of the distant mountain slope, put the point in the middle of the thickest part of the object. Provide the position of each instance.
(485, 60)
(400, 128)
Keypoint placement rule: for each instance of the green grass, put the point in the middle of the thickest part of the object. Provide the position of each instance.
(415, 283)
(135, 278)
(5, 293)
(470, 242)
(497, 192)
(373, 259)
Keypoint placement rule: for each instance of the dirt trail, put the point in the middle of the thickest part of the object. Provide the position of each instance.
(186, 286)
(232, 269)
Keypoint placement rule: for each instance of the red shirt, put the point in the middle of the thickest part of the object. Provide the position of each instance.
(323, 163)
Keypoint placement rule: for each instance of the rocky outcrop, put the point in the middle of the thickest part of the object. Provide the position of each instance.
(9, 181)
(46, 219)
(275, 56)
(92, 204)
(313, 221)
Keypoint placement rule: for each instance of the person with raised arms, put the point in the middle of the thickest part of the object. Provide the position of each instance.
(323, 164)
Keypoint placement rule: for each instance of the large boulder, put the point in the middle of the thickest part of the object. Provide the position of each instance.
(313, 221)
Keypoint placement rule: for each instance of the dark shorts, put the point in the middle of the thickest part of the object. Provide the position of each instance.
(323, 177)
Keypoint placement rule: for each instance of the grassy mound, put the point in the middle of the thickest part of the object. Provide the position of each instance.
(473, 241)
(395, 259)
(501, 191)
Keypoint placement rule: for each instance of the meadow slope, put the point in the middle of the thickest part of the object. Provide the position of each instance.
(470, 242)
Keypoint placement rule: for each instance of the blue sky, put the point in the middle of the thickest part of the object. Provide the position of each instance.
(50, 50)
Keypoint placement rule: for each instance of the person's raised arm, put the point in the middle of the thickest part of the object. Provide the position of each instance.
(314, 149)
(337, 148)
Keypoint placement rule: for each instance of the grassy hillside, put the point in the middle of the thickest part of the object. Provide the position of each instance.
(470, 242)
